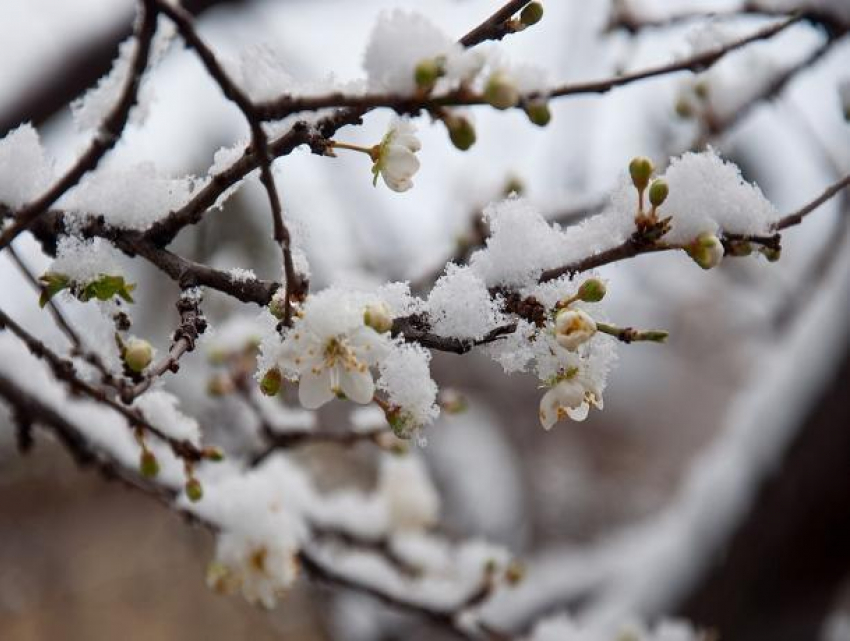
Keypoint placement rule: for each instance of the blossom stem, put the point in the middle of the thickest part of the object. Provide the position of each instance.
(631, 335)
(370, 151)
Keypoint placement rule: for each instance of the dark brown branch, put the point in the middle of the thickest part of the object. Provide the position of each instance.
(183, 21)
(496, 26)
(281, 107)
(416, 329)
(63, 370)
(797, 217)
(192, 325)
(444, 618)
(108, 134)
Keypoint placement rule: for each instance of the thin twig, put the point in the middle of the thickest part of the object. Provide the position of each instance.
(192, 325)
(63, 370)
(496, 27)
(287, 105)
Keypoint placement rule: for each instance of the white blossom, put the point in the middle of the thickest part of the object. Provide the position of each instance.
(573, 327)
(571, 397)
(396, 159)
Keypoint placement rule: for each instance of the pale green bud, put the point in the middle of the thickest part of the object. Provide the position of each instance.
(426, 73)
(538, 112)
(271, 382)
(641, 169)
(658, 191)
(706, 250)
(148, 465)
(138, 354)
(378, 317)
(532, 14)
(461, 131)
(501, 91)
(194, 490)
(592, 291)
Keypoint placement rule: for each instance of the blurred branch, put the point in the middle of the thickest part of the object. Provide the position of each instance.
(108, 134)
(78, 69)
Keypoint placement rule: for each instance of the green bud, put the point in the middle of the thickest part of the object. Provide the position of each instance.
(706, 250)
(538, 113)
(641, 169)
(214, 454)
(378, 317)
(592, 291)
(501, 91)
(701, 90)
(772, 254)
(532, 14)
(514, 573)
(271, 382)
(277, 305)
(194, 490)
(740, 248)
(658, 191)
(148, 465)
(684, 108)
(138, 354)
(461, 132)
(514, 185)
(426, 73)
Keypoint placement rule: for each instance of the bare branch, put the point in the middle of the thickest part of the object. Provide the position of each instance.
(495, 27)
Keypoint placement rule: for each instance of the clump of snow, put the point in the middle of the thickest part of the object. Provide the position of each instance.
(411, 500)
(160, 409)
(521, 245)
(461, 306)
(708, 194)
(241, 275)
(562, 627)
(85, 260)
(90, 110)
(400, 40)
(25, 170)
(131, 198)
(406, 378)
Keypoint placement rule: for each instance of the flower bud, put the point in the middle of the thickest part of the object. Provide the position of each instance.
(532, 14)
(271, 382)
(220, 385)
(706, 250)
(148, 465)
(641, 169)
(772, 254)
(277, 305)
(138, 354)
(426, 73)
(514, 573)
(658, 191)
(194, 490)
(684, 108)
(461, 131)
(538, 113)
(501, 91)
(573, 327)
(378, 317)
(592, 291)
(214, 454)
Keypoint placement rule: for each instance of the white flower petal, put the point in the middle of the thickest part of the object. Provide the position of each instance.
(314, 390)
(357, 385)
(578, 413)
(400, 163)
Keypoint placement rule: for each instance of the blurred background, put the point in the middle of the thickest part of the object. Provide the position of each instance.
(715, 484)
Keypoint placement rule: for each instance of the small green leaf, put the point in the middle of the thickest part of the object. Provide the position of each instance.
(52, 284)
(106, 287)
